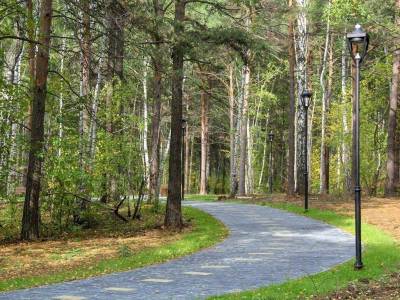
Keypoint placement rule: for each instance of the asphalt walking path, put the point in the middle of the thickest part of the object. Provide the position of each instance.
(265, 246)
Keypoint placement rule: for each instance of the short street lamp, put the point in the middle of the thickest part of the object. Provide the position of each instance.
(184, 125)
(357, 41)
(305, 102)
(271, 138)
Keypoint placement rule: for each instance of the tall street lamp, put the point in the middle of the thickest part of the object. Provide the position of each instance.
(357, 42)
(184, 125)
(271, 138)
(305, 102)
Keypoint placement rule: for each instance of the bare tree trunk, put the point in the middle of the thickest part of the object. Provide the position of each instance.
(243, 127)
(292, 109)
(232, 133)
(191, 163)
(173, 214)
(392, 166)
(30, 24)
(12, 70)
(323, 187)
(204, 142)
(345, 148)
(250, 174)
(264, 154)
(93, 126)
(187, 153)
(85, 82)
(31, 212)
(145, 122)
(301, 45)
(156, 117)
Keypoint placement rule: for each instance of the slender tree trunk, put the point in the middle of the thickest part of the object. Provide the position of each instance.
(323, 187)
(204, 142)
(301, 45)
(345, 148)
(189, 176)
(392, 142)
(145, 121)
(31, 213)
(155, 129)
(187, 152)
(30, 24)
(12, 70)
(61, 100)
(232, 133)
(85, 82)
(250, 174)
(292, 109)
(173, 214)
(93, 126)
(243, 126)
(156, 117)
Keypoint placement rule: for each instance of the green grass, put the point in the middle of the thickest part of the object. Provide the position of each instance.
(206, 232)
(196, 197)
(381, 255)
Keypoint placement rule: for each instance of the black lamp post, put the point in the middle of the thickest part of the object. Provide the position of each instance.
(305, 101)
(357, 41)
(271, 138)
(184, 124)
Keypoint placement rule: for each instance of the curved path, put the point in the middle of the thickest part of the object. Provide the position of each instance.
(265, 246)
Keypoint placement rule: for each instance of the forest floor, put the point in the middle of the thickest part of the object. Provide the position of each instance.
(110, 238)
(382, 212)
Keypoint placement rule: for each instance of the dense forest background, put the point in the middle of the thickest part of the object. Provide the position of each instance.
(93, 95)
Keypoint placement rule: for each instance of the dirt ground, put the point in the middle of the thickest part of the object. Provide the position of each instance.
(47, 257)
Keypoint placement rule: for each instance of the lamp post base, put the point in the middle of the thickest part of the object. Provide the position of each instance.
(358, 265)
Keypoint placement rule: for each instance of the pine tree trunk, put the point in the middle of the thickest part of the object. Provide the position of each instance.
(31, 212)
(173, 214)
(204, 142)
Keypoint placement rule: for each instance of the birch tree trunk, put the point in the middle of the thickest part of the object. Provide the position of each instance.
(346, 131)
(85, 82)
(243, 127)
(145, 121)
(292, 109)
(301, 50)
(156, 117)
(31, 212)
(323, 187)
(232, 133)
(93, 126)
(12, 70)
(392, 142)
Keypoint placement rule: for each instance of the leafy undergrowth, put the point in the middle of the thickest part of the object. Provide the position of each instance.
(381, 256)
(204, 231)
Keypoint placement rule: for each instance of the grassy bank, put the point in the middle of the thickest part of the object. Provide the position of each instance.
(205, 231)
